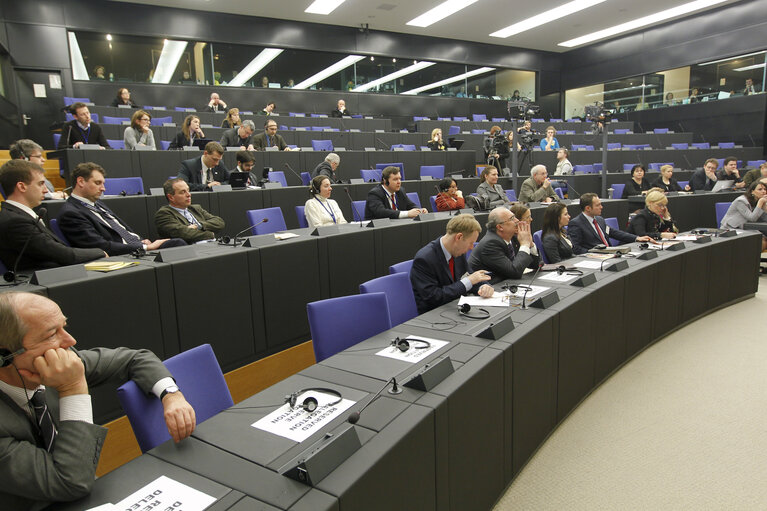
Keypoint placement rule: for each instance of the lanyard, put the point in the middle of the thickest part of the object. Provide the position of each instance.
(329, 211)
(86, 133)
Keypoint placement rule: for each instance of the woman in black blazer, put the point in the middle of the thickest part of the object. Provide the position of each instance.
(637, 185)
(556, 244)
(654, 220)
(665, 182)
(190, 130)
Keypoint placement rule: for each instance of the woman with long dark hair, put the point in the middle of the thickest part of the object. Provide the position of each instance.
(556, 244)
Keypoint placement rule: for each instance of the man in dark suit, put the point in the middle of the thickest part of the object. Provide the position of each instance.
(216, 104)
(706, 178)
(240, 136)
(87, 222)
(588, 229)
(23, 183)
(182, 219)
(81, 130)
(341, 110)
(245, 163)
(388, 200)
(328, 168)
(269, 138)
(48, 442)
(506, 249)
(440, 271)
(205, 172)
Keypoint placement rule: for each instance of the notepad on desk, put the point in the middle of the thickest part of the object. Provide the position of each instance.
(107, 266)
(284, 235)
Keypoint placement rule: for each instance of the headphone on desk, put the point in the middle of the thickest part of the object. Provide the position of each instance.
(6, 357)
(310, 404)
(404, 344)
(561, 269)
(465, 311)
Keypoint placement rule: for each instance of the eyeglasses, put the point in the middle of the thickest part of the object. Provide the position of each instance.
(147, 119)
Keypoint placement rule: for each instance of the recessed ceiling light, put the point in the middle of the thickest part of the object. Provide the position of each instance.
(323, 6)
(546, 17)
(338, 66)
(674, 12)
(259, 62)
(440, 12)
(109, 37)
(732, 58)
(748, 68)
(447, 81)
(417, 66)
(168, 61)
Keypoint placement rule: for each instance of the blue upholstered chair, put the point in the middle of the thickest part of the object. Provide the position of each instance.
(399, 295)
(275, 223)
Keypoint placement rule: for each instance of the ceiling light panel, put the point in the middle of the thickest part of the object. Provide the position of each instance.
(545, 17)
(393, 76)
(257, 64)
(323, 6)
(440, 12)
(450, 80)
(168, 61)
(338, 66)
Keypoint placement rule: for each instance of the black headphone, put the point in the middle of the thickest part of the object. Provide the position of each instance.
(310, 404)
(465, 310)
(312, 189)
(404, 344)
(644, 246)
(513, 288)
(6, 357)
(561, 269)
(224, 240)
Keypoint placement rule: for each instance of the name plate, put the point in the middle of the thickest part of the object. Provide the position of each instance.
(172, 255)
(262, 240)
(380, 222)
(428, 216)
(56, 275)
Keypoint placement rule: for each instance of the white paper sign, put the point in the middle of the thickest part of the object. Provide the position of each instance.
(298, 424)
(556, 277)
(54, 81)
(498, 299)
(686, 237)
(416, 351)
(534, 290)
(165, 493)
(591, 265)
(39, 90)
(104, 507)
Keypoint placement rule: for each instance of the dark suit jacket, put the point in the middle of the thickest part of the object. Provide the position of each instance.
(492, 254)
(33, 477)
(215, 108)
(647, 223)
(71, 134)
(172, 224)
(337, 113)
(83, 229)
(672, 186)
(377, 205)
(231, 138)
(260, 143)
(700, 181)
(190, 172)
(632, 188)
(179, 141)
(556, 248)
(45, 250)
(431, 280)
(324, 169)
(584, 237)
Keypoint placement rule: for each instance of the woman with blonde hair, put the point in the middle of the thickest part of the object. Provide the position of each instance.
(436, 143)
(654, 220)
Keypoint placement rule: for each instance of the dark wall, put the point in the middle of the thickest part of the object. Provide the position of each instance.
(728, 31)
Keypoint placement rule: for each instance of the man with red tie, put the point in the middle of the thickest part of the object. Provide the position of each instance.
(440, 270)
(588, 229)
(388, 200)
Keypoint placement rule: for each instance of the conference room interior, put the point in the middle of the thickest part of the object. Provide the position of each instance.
(261, 336)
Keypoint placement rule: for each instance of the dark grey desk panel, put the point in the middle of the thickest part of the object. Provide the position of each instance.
(121, 482)
(231, 206)
(397, 243)
(746, 252)
(719, 281)
(347, 258)
(256, 298)
(695, 269)
(349, 168)
(155, 167)
(316, 500)
(637, 301)
(287, 199)
(667, 290)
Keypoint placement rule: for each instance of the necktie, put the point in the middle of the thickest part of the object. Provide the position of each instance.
(43, 419)
(110, 219)
(511, 250)
(451, 264)
(601, 235)
(393, 202)
(269, 141)
(190, 218)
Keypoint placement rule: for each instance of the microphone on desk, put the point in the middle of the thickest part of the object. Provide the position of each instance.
(287, 166)
(570, 187)
(395, 389)
(530, 285)
(615, 256)
(69, 134)
(354, 207)
(224, 240)
(11, 276)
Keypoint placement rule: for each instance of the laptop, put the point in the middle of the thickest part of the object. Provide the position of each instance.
(238, 179)
(723, 184)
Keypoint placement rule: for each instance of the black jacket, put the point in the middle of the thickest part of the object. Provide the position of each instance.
(492, 254)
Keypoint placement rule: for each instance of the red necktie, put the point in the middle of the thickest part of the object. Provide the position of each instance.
(601, 235)
(393, 202)
(451, 263)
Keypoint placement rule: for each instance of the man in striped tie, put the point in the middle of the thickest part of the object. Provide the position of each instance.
(48, 443)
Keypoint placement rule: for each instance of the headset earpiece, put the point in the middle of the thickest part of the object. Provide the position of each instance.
(465, 310)
(404, 344)
(6, 357)
(311, 403)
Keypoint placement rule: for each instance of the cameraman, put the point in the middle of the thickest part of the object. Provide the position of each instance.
(494, 152)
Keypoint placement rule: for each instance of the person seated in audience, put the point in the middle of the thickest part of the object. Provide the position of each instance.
(693, 97)
(564, 167)
(81, 130)
(654, 220)
(269, 138)
(182, 219)
(190, 131)
(537, 187)
(203, 173)
(705, 178)
(749, 207)
(321, 209)
(549, 143)
(328, 167)
(506, 249)
(232, 119)
(729, 172)
(588, 229)
(123, 98)
(440, 272)
(265, 82)
(670, 99)
(269, 108)
(341, 110)
(756, 174)
(99, 73)
(241, 136)
(388, 199)
(637, 185)
(521, 212)
(88, 223)
(449, 197)
(489, 190)
(25, 149)
(436, 143)
(139, 133)
(245, 163)
(556, 243)
(750, 89)
(50, 446)
(515, 96)
(23, 184)
(216, 104)
(666, 182)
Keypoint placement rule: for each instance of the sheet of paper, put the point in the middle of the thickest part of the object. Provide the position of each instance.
(165, 493)
(39, 90)
(534, 290)
(686, 237)
(416, 352)
(104, 507)
(298, 424)
(285, 235)
(591, 265)
(497, 300)
(556, 277)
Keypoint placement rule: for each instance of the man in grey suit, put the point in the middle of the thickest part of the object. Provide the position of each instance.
(48, 443)
(185, 220)
(240, 136)
(537, 187)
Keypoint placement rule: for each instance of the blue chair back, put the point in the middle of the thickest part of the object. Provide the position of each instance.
(159, 121)
(660, 131)
(3, 268)
(358, 208)
(478, 132)
(628, 166)
(555, 120)
(559, 192)
(399, 295)
(306, 178)
(536, 119)
(413, 196)
(403, 267)
(417, 118)
(682, 184)
(613, 145)
(301, 216)
(57, 231)
(597, 167)
(150, 107)
(184, 109)
(622, 131)
(116, 144)
(539, 244)
(56, 138)
(754, 163)
(460, 119)
(276, 220)
(511, 195)
(435, 171)
(583, 169)
(478, 117)
(370, 175)
(338, 323)
(682, 145)
(129, 185)
(701, 145)
(322, 145)
(279, 177)
(454, 130)
(433, 202)
(199, 377)
(381, 166)
(721, 209)
(164, 145)
(612, 223)
(115, 120)
(726, 145)
(618, 190)
(69, 101)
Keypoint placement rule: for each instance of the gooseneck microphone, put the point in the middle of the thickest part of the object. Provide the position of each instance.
(225, 239)
(395, 389)
(12, 275)
(569, 187)
(354, 207)
(385, 146)
(530, 286)
(294, 172)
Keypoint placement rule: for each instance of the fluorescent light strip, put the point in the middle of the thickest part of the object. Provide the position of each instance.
(546, 17)
(166, 65)
(732, 58)
(440, 12)
(748, 68)
(79, 72)
(323, 6)
(338, 66)
(257, 64)
(393, 76)
(680, 10)
(446, 81)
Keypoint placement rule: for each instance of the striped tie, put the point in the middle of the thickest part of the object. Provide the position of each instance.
(43, 419)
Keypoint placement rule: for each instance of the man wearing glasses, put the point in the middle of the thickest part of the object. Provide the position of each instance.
(30, 150)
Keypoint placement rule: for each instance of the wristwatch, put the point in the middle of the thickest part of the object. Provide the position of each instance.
(170, 390)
